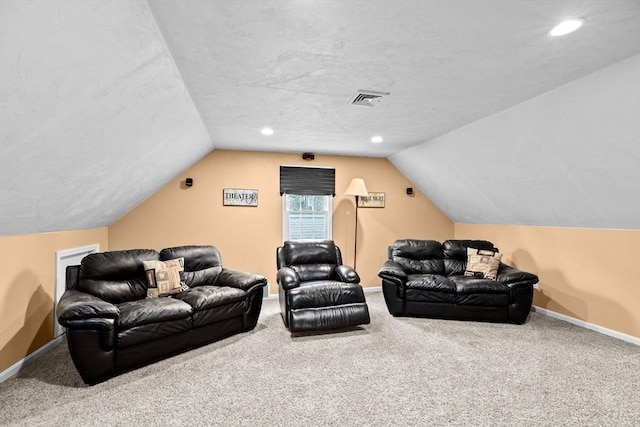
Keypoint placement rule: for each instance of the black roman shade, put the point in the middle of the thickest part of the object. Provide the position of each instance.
(307, 181)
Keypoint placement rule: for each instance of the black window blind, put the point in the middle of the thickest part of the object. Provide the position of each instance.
(307, 181)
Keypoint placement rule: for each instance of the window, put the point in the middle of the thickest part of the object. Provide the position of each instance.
(307, 203)
(306, 217)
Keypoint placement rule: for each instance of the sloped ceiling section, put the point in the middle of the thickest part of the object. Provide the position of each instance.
(94, 115)
(568, 158)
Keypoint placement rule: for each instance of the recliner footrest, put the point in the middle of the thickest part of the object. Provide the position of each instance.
(342, 316)
(325, 294)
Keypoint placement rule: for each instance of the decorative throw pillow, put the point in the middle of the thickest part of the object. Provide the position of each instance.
(482, 263)
(164, 277)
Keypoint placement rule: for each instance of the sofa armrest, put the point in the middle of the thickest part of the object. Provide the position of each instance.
(288, 278)
(391, 270)
(78, 309)
(240, 279)
(513, 277)
(347, 274)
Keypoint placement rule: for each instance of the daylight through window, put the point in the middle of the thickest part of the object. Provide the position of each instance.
(307, 217)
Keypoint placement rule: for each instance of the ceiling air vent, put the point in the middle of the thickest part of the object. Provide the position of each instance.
(368, 98)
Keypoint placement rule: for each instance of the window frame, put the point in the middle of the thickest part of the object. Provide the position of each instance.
(328, 213)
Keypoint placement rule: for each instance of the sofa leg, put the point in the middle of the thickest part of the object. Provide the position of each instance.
(395, 305)
(94, 364)
(253, 312)
(519, 310)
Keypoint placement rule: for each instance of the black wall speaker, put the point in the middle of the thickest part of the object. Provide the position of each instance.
(308, 156)
(409, 191)
(188, 182)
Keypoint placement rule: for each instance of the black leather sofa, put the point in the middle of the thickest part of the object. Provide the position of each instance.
(316, 291)
(112, 326)
(424, 278)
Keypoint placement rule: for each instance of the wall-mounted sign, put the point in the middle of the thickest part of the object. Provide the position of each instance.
(239, 197)
(372, 200)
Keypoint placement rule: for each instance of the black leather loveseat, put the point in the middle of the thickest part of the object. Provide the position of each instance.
(424, 278)
(113, 326)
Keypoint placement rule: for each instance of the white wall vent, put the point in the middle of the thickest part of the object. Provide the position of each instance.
(65, 258)
(367, 98)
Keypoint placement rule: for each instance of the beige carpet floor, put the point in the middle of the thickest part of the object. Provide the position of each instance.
(393, 372)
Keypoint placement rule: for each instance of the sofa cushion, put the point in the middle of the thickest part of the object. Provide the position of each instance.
(207, 297)
(429, 288)
(164, 277)
(214, 303)
(457, 249)
(202, 263)
(417, 249)
(151, 332)
(115, 276)
(418, 256)
(206, 317)
(150, 319)
(153, 310)
(482, 264)
(483, 292)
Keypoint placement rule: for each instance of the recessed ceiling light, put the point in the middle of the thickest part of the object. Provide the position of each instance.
(376, 139)
(567, 27)
(266, 131)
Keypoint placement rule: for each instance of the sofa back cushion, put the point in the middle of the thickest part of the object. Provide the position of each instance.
(311, 260)
(202, 264)
(418, 256)
(116, 276)
(455, 254)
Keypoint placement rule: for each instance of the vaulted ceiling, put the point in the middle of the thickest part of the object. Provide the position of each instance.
(103, 102)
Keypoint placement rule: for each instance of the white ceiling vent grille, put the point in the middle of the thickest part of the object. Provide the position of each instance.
(367, 98)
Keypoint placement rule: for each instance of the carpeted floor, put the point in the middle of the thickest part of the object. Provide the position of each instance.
(393, 372)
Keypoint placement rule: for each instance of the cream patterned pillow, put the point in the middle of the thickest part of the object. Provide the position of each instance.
(164, 277)
(482, 263)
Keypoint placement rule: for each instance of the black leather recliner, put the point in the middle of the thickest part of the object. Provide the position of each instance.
(424, 278)
(316, 291)
(113, 327)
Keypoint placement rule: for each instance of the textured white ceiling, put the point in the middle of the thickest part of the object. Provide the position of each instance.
(103, 102)
(293, 65)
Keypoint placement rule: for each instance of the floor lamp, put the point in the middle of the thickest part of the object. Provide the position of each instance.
(356, 188)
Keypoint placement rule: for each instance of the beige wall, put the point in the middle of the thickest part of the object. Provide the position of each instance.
(588, 274)
(247, 237)
(27, 288)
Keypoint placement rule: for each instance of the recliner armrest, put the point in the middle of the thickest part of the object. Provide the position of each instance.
(80, 309)
(240, 279)
(288, 278)
(347, 274)
(393, 271)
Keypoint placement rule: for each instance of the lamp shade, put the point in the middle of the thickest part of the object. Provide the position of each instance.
(357, 188)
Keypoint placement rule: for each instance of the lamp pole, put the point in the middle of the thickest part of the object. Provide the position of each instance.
(355, 240)
(356, 188)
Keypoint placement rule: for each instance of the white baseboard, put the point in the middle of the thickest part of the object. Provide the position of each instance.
(14, 369)
(587, 325)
